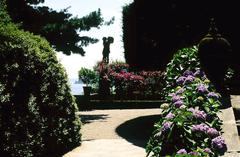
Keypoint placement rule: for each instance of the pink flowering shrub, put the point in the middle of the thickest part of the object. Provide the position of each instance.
(146, 83)
(126, 83)
(153, 83)
(119, 66)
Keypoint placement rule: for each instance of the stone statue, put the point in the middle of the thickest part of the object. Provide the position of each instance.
(106, 48)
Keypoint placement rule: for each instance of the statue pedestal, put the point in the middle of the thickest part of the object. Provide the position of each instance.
(104, 88)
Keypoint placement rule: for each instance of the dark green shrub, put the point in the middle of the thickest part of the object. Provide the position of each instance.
(153, 30)
(129, 33)
(89, 78)
(37, 111)
(3, 13)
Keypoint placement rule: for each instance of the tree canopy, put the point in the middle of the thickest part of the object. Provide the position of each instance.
(60, 28)
(153, 30)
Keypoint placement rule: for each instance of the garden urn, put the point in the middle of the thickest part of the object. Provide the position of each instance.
(214, 53)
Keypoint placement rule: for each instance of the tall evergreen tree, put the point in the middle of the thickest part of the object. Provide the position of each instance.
(153, 30)
(61, 29)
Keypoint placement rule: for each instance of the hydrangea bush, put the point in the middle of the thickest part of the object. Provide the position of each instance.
(189, 124)
(185, 59)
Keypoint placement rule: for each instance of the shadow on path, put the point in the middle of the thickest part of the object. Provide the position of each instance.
(138, 130)
(226, 101)
(91, 118)
(237, 116)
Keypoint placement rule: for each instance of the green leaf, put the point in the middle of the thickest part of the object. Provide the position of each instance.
(207, 109)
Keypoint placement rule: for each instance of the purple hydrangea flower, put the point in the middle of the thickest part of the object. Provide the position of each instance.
(191, 109)
(193, 153)
(166, 126)
(199, 114)
(200, 128)
(207, 150)
(201, 89)
(188, 73)
(170, 115)
(178, 103)
(181, 80)
(213, 95)
(175, 98)
(212, 132)
(182, 151)
(218, 143)
(189, 79)
(205, 129)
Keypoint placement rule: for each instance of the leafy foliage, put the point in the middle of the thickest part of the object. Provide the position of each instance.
(61, 29)
(153, 30)
(189, 123)
(127, 83)
(118, 66)
(184, 59)
(89, 77)
(3, 13)
(86, 75)
(129, 33)
(37, 111)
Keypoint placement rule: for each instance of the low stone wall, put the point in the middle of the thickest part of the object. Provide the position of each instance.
(112, 102)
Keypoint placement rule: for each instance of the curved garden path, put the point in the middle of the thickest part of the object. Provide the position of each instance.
(124, 133)
(115, 133)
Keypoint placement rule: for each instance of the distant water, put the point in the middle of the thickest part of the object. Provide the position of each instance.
(76, 87)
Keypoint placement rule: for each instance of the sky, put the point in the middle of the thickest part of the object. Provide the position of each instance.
(109, 8)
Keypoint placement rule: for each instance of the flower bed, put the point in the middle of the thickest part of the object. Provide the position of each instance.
(127, 84)
(189, 125)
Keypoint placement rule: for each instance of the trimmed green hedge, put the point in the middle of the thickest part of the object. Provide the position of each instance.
(129, 32)
(37, 111)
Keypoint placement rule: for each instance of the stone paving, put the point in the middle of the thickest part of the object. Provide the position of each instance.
(124, 133)
(107, 148)
(115, 133)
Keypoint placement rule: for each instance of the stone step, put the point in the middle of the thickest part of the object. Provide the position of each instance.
(230, 132)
